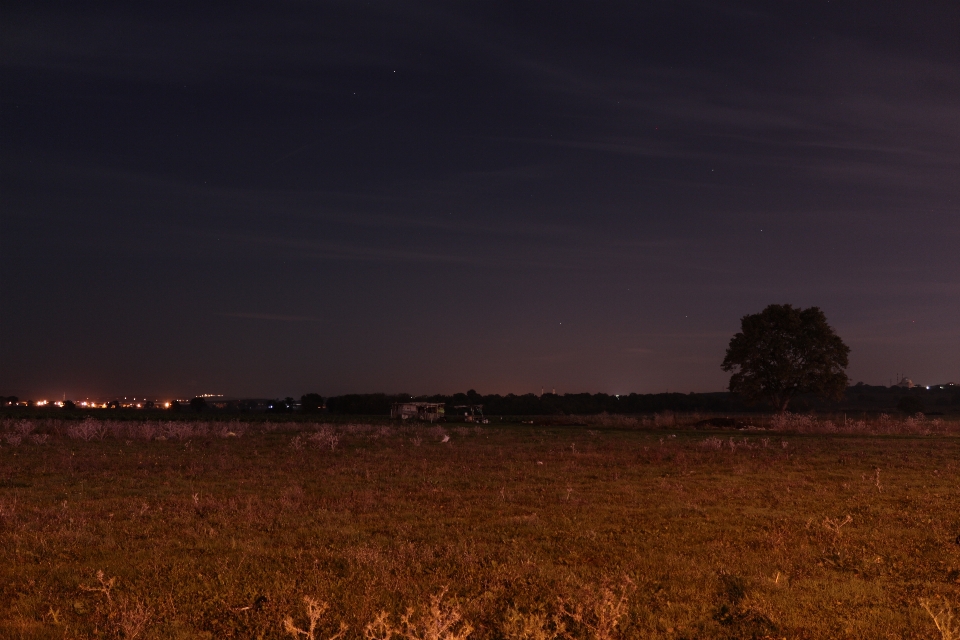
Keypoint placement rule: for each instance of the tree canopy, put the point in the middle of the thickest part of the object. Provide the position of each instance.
(784, 351)
(311, 403)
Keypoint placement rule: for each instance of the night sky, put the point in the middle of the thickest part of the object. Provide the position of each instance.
(269, 200)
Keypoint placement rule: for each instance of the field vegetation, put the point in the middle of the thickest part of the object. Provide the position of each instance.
(667, 526)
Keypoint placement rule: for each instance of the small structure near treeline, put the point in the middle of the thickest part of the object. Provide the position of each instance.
(471, 413)
(426, 411)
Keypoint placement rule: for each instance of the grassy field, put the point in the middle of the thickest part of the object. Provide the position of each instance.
(221, 530)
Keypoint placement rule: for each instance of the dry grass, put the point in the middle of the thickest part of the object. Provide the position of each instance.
(214, 530)
(942, 615)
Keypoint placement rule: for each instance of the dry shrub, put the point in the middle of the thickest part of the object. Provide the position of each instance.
(105, 587)
(143, 430)
(23, 427)
(358, 429)
(126, 614)
(87, 430)
(441, 621)
(801, 423)
(234, 429)
(131, 616)
(179, 430)
(598, 613)
(942, 615)
(836, 526)
(315, 610)
(712, 442)
(380, 628)
(325, 437)
(536, 625)
(664, 419)
(884, 424)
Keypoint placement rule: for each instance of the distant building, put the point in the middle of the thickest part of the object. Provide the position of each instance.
(471, 413)
(906, 383)
(428, 411)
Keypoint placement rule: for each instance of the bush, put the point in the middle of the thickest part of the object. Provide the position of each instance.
(910, 405)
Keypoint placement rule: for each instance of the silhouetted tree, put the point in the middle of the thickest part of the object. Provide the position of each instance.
(198, 404)
(311, 403)
(785, 351)
(69, 405)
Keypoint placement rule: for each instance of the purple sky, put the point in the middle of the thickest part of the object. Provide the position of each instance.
(430, 197)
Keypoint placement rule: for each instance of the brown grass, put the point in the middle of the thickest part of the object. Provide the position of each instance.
(454, 532)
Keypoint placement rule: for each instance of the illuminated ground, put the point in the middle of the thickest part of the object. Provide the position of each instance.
(719, 534)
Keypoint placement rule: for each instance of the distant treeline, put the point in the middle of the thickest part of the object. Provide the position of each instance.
(936, 400)
(858, 398)
(546, 404)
